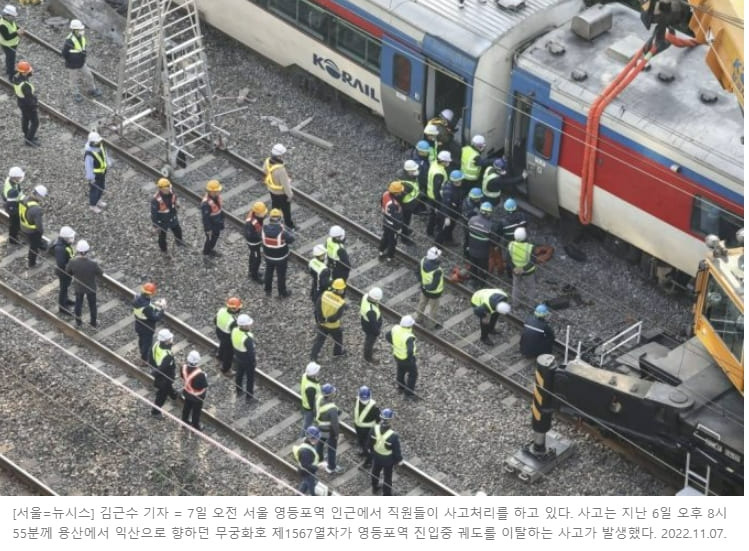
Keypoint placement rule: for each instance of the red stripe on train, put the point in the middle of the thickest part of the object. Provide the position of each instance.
(351, 17)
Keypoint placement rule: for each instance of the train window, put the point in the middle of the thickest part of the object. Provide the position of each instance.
(402, 73)
(373, 54)
(352, 42)
(314, 20)
(708, 217)
(284, 7)
(543, 140)
(724, 317)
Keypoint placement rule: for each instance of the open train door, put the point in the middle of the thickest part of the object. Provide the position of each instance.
(402, 93)
(542, 159)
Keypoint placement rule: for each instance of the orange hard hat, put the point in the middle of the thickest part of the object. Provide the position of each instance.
(149, 288)
(259, 208)
(396, 187)
(213, 185)
(233, 303)
(23, 67)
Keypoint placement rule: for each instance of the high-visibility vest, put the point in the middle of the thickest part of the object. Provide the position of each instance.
(520, 254)
(482, 297)
(188, 377)
(331, 248)
(213, 203)
(138, 312)
(224, 320)
(490, 174)
(23, 207)
(307, 383)
(330, 303)
(7, 189)
(270, 183)
(277, 242)
(360, 413)
(434, 169)
(322, 409)
(381, 439)
(159, 354)
(238, 337)
(367, 306)
(468, 165)
(162, 206)
(412, 191)
(317, 266)
(100, 166)
(387, 200)
(18, 88)
(79, 46)
(306, 446)
(400, 341)
(428, 277)
(12, 27)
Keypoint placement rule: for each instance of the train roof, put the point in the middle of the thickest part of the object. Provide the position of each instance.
(671, 113)
(473, 29)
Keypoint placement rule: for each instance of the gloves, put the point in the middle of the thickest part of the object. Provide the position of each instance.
(525, 174)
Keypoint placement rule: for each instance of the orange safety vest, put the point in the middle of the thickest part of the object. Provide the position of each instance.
(163, 206)
(277, 242)
(188, 381)
(387, 200)
(215, 204)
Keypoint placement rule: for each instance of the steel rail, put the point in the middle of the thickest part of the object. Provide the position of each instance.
(27, 478)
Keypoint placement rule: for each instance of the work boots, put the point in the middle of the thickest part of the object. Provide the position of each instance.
(485, 335)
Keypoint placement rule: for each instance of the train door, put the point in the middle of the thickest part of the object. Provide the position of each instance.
(542, 158)
(446, 90)
(402, 85)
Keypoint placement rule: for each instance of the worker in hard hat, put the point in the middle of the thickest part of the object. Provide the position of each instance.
(194, 389)
(480, 236)
(147, 313)
(319, 272)
(451, 204)
(27, 101)
(386, 453)
(471, 206)
(371, 320)
(163, 369)
(12, 196)
(84, 271)
(488, 304)
(511, 219)
(432, 279)
(329, 310)
(211, 209)
(327, 419)
(366, 415)
(31, 218)
(253, 234)
(95, 162)
(278, 183)
(446, 123)
(10, 36)
(538, 336)
(307, 460)
(276, 240)
(309, 388)
(403, 340)
(411, 199)
(431, 133)
(497, 180)
(164, 213)
(473, 162)
(522, 264)
(64, 249)
(243, 344)
(74, 51)
(225, 321)
(436, 178)
(420, 155)
(337, 256)
(392, 218)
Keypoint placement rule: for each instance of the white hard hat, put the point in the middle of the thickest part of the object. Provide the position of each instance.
(76, 25)
(407, 321)
(16, 172)
(312, 369)
(318, 250)
(433, 253)
(447, 114)
(337, 231)
(375, 293)
(445, 157)
(503, 308)
(40, 190)
(193, 358)
(410, 166)
(66, 232)
(165, 335)
(244, 320)
(94, 137)
(10, 10)
(82, 246)
(520, 234)
(278, 150)
(431, 130)
(478, 141)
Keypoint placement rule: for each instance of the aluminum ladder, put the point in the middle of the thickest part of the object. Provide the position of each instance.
(163, 74)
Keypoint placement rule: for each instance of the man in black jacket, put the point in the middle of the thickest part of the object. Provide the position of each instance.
(195, 387)
(308, 460)
(84, 272)
(164, 213)
(12, 195)
(538, 336)
(27, 102)
(371, 320)
(63, 253)
(74, 52)
(163, 370)
(385, 449)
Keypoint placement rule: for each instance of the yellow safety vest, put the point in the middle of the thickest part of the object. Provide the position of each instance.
(238, 337)
(307, 446)
(12, 27)
(412, 191)
(520, 254)
(400, 341)
(78, 45)
(23, 206)
(468, 165)
(324, 426)
(6, 190)
(270, 183)
(360, 414)
(490, 174)
(159, 354)
(224, 319)
(330, 303)
(332, 247)
(306, 383)
(366, 306)
(380, 441)
(427, 277)
(434, 169)
(317, 266)
(18, 88)
(482, 297)
(101, 160)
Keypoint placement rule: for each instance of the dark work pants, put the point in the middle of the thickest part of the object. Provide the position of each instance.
(176, 230)
(14, 226)
(62, 296)
(488, 324)
(192, 405)
(35, 244)
(322, 334)
(278, 266)
(331, 443)
(255, 257)
(369, 341)
(162, 391)
(96, 189)
(10, 61)
(225, 350)
(244, 371)
(408, 212)
(91, 298)
(445, 235)
(362, 437)
(282, 202)
(211, 238)
(145, 340)
(308, 483)
(480, 268)
(29, 122)
(432, 217)
(377, 468)
(388, 241)
(406, 376)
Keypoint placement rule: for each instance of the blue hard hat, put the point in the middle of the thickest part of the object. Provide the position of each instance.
(486, 206)
(456, 175)
(542, 311)
(475, 193)
(422, 145)
(364, 393)
(387, 414)
(327, 389)
(499, 163)
(511, 205)
(313, 432)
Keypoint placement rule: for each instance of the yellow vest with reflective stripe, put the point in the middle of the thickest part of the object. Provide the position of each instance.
(17, 88)
(380, 441)
(324, 426)
(78, 45)
(468, 166)
(427, 277)
(434, 169)
(366, 306)
(159, 354)
(238, 337)
(520, 254)
(269, 181)
(307, 446)
(412, 191)
(400, 341)
(224, 319)
(331, 248)
(360, 413)
(482, 296)
(101, 160)
(12, 27)
(330, 303)
(317, 266)
(23, 206)
(306, 383)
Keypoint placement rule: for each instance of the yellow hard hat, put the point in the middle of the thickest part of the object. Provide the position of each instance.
(396, 187)
(338, 284)
(213, 185)
(163, 182)
(259, 208)
(276, 213)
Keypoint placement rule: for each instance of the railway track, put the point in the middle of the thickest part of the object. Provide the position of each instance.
(460, 334)
(18, 481)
